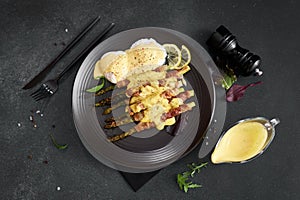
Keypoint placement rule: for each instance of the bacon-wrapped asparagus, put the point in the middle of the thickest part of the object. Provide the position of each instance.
(147, 125)
(168, 74)
(115, 106)
(138, 116)
(112, 122)
(164, 83)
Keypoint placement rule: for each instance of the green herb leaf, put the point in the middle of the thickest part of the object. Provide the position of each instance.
(186, 174)
(180, 180)
(185, 188)
(195, 186)
(58, 146)
(183, 179)
(98, 87)
(228, 80)
(196, 168)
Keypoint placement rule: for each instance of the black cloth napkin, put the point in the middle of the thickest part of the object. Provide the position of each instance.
(137, 180)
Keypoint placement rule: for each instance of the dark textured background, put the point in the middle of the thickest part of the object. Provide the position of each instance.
(28, 33)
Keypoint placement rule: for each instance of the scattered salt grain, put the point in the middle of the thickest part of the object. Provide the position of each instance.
(19, 124)
(57, 188)
(66, 30)
(33, 121)
(38, 111)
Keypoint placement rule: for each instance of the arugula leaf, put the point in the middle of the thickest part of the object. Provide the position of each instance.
(196, 168)
(182, 179)
(97, 87)
(184, 185)
(58, 146)
(185, 188)
(194, 186)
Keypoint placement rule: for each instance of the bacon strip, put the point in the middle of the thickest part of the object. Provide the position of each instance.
(176, 111)
(185, 95)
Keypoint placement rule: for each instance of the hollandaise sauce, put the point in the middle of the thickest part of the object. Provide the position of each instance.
(241, 142)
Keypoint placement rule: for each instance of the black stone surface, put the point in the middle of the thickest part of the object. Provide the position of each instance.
(138, 180)
(33, 32)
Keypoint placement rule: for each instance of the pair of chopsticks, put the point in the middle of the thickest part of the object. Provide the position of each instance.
(75, 41)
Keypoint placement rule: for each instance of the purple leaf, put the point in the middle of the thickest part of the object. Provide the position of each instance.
(237, 91)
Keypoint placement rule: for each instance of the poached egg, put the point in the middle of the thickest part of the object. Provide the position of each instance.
(143, 55)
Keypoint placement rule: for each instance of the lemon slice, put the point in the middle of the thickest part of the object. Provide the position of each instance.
(185, 57)
(173, 55)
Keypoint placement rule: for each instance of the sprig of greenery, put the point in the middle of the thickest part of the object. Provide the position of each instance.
(58, 146)
(183, 184)
(228, 80)
(183, 179)
(196, 168)
(97, 87)
(229, 77)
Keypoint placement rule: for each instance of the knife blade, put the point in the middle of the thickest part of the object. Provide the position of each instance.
(41, 75)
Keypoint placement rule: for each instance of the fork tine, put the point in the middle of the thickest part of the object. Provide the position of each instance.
(37, 97)
(47, 89)
(41, 95)
(44, 96)
(36, 92)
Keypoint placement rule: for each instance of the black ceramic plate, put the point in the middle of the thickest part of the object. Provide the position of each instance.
(149, 150)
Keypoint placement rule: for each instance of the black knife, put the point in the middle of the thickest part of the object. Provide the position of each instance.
(40, 76)
(88, 48)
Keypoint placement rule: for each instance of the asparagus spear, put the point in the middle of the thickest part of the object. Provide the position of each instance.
(103, 102)
(114, 124)
(121, 136)
(141, 126)
(110, 119)
(124, 115)
(104, 90)
(107, 111)
(125, 119)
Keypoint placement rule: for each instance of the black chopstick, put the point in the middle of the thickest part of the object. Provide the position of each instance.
(41, 75)
(88, 48)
